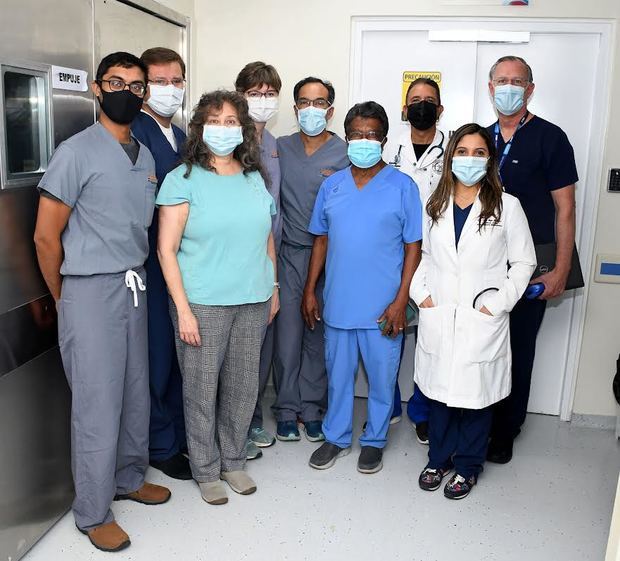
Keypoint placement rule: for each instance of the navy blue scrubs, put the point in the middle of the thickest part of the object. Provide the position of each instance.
(167, 425)
(540, 161)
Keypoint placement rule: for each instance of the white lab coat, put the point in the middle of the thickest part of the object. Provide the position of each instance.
(426, 171)
(463, 356)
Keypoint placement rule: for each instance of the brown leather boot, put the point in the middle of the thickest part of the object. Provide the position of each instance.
(108, 537)
(148, 494)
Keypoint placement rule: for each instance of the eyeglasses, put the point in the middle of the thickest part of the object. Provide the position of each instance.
(253, 94)
(176, 82)
(370, 135)
(319, 103)
(521, 82)
(118, 85)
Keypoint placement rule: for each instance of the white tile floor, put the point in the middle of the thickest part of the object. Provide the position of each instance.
(552, 502)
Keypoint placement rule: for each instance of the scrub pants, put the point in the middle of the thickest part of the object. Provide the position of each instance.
(509, 414)
(103, 343)
(417, 406)
(299, 371)
(266, 359)
(458, 437)
(381, 357)
(167, 426)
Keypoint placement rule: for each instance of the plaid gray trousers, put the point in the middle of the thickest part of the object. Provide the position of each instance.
(220, 384)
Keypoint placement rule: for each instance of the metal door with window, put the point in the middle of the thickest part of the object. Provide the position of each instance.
(135, 27)
(463, 50)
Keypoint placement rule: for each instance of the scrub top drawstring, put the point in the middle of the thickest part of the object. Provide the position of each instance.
(130, 282)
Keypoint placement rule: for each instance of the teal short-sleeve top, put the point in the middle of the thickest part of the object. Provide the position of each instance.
(223, 251)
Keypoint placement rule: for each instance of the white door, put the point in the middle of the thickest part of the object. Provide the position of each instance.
(556, 60)
(560, 56)
(385, 58)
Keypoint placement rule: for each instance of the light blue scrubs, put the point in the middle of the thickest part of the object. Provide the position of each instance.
(367, 229)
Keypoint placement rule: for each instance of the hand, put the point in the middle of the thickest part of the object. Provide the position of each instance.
(275, 305)
(310, 308)
(484, 310)
(427, 303)
(395, 317)
(188, 328)
(555, 283)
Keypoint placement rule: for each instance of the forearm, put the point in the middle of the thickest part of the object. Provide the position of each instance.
(50, 255)
(317, 262)
(174, 281)
(412, 260)
(271, 253)
(565, 238)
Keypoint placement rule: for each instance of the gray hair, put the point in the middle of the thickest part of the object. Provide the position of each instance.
(512, 58)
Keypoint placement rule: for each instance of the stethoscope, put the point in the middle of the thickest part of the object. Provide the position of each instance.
(437, 164)
(490, 289)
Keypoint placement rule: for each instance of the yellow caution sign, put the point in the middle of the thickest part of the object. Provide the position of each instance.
(412, 75)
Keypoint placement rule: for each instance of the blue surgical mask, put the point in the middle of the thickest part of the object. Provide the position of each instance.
(312, 120)
(509, 99)
(469, 170)
(364, 153)
(222, 140)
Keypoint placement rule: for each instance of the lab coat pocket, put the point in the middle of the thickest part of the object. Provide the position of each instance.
(149, 202)
(488, 336)
(430, 329)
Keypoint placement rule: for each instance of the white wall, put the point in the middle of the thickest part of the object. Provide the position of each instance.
(315, 39)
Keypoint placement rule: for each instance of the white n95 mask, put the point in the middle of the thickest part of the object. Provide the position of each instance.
(165, 100)
(262, 108)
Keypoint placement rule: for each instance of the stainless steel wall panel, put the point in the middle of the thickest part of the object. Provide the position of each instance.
(27, 332)
(35, 484)
(35, 476)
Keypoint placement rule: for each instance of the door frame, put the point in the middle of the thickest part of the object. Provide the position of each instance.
(585, 236)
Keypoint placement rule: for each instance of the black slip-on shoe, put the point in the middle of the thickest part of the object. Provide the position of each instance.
(176, 467)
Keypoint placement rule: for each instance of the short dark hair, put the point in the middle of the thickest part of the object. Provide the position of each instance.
(331, 93)
(255, 74)
(512, 58)
(162, 55)
(426, 81)
(367, 110)
(122, 59)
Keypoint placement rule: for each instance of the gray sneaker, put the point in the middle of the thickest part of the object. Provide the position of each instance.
(252, 452)
(370, 460)
(262, 438)
(326, 455)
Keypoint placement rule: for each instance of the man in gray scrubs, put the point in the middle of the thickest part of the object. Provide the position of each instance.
(96, 204)
(306, 159)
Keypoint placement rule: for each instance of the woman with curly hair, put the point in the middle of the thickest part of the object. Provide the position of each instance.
(218, 258)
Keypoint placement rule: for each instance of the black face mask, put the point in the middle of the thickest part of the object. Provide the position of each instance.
(422, 115)
(121, 107)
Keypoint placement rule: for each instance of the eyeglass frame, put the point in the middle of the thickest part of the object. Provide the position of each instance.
(520, 82)
(255, 94)
(126, 86)
(183, 81)
(311, 103)
(364, 136)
